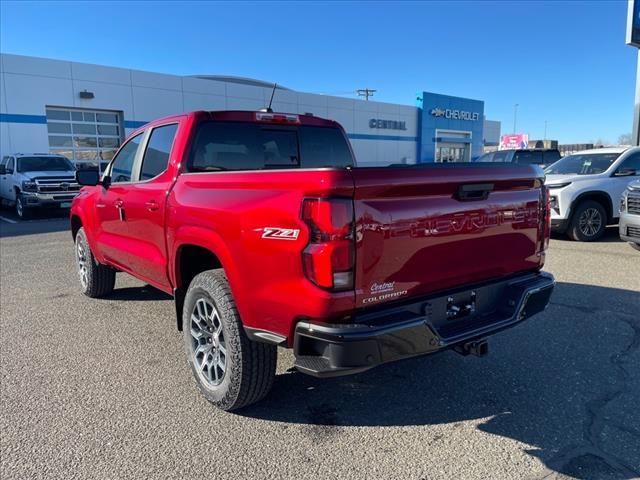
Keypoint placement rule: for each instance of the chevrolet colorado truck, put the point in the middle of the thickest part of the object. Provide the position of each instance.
(31, 181)
(267, 234)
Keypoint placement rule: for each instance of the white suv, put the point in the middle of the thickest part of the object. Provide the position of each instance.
(586, 188)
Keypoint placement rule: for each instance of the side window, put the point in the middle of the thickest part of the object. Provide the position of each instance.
(4, 161)
(122, 164)
(528, 156)
(156, 156)
(500, 156)
(10, 165)
(631, 163)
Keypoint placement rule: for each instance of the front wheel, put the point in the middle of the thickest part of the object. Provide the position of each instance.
(588, 222)
(96, 280)
(21, 209)
(635, 245)
(230, 370)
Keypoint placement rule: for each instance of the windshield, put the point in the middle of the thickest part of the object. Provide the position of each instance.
(585, 164)
(44, 164)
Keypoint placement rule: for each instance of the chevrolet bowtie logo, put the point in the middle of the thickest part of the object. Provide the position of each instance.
(437, 112)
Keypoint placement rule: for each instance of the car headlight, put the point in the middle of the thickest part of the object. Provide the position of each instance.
(558, 185)
(623, 201)
(29, 186)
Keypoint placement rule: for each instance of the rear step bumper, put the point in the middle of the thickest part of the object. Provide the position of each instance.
(455, 319)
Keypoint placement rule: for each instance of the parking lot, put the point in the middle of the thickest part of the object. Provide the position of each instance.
(100, 388)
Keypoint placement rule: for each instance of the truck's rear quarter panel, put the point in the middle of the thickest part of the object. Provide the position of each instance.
(414, 237)
(229, 211)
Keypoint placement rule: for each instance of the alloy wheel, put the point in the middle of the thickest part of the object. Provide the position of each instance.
(19, 207)
(83, 272)
(208, 345)
(590, 222)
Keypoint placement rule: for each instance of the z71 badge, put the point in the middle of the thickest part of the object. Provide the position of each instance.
(280, 233)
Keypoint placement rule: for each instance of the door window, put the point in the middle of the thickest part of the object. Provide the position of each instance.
(10, 165)
(122, 165)
(631, 163)
(156, 156)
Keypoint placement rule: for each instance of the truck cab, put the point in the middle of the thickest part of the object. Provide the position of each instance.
(31, 181)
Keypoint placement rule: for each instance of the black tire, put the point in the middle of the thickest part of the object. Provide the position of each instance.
(100, 279)
(588, 211)
(635, 245)
(22, 211)
(249, 367)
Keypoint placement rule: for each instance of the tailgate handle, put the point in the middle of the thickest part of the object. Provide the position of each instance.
(476, 191)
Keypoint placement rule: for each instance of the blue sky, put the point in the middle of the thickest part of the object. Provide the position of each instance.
(564, 62)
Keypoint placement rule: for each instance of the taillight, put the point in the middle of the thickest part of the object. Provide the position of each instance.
(277, 117)
(547, 218)
(329, 257)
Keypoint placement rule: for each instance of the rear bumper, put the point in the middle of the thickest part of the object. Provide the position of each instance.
(420, 327)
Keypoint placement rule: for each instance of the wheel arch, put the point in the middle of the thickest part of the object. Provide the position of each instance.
(599, 196)
(76, 224)
(190, 259)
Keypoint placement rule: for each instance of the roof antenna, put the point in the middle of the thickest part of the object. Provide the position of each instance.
(269, 109)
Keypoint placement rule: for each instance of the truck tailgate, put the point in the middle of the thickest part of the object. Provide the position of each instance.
(424, 229)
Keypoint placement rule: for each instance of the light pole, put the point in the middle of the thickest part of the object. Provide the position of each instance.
(515, 117)
(545, 130)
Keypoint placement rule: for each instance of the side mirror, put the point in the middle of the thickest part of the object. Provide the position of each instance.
(3, 170)
(89, 177)
(625, 172)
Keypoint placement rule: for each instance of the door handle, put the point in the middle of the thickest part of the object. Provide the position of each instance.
(152, 205)
(118, 203)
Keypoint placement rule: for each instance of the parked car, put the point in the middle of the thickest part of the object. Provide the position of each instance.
(538, 156)
(586, 188)
(629, 225)
(267, 234)
(37, 180)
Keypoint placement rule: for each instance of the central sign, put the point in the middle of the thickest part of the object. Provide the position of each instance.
(455, 114)
(387, 124)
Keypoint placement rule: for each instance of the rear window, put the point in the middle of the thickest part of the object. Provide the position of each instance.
(220, 146)
(531, 156)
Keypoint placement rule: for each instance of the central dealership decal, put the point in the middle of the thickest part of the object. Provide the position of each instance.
(387, 124)
(455, 114)
(383, 291)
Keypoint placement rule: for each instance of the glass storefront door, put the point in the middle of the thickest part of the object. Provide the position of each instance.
(452, 152)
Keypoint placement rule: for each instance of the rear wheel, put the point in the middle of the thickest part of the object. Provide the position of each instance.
(588, 222)
(96, 280)
(230, 370)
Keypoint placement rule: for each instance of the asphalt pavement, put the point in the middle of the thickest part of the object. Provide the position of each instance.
(101, 389)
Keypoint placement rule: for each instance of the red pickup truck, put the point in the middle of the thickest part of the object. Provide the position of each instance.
(267, 234)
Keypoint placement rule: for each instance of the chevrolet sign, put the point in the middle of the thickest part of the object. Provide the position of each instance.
(455, 114)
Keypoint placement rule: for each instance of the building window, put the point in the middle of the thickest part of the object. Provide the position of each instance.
(89, 138)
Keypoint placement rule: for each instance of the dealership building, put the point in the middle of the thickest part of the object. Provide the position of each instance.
(85, 111)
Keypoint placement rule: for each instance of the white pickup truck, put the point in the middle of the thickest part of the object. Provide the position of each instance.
(36, 180)
(586, 187)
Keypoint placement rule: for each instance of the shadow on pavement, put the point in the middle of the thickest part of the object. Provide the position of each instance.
(139, 294)
(611, 234)
(42, 222)
(548, 383)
